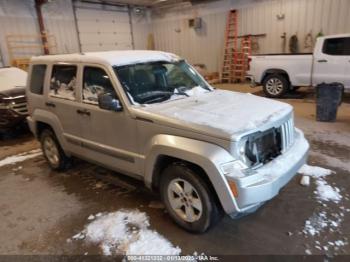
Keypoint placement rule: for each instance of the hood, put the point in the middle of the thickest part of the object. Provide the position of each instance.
(220, 113)
(14, 92)
(12, 80)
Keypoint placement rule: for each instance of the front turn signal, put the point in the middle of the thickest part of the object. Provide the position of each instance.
(233, 188)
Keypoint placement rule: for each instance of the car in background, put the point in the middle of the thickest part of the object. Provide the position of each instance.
(280, 73)
(13, 105)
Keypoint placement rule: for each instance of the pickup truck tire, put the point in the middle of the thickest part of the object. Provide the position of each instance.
(188, 198)
(52, 151)
(275, 85)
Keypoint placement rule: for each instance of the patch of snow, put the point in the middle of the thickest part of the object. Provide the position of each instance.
(150, 243)
(91, 217)
(222, 111)
(197, 90)
(11, 160)
(80, 236)
(305, 181)
(126, 232)
(314, 171)
(308, 252)
(320, 222)
(326, 192)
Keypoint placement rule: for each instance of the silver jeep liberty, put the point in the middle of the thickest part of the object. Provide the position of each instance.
(150, 115)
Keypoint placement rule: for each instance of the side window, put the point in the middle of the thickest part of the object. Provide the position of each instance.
(337, 46)
(96, 82)
(63, 81)
(37, 79)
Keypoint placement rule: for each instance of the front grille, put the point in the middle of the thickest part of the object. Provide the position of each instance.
(20, 108)
(262, 147)
(287, 130)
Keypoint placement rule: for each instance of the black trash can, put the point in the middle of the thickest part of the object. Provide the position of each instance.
(329, 97)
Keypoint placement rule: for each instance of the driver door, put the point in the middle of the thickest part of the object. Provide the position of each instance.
(108, 137)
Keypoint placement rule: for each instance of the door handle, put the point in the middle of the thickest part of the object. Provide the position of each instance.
(322, 61)
(50, 104)
(83, 112)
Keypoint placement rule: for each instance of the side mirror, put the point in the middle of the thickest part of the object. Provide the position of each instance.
(108, 102)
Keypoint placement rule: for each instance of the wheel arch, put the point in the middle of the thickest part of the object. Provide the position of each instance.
(277, 71)
(167, 149)
(43, 119)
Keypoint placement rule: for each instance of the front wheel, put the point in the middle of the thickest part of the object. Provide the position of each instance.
(188, 198)
(275, 85)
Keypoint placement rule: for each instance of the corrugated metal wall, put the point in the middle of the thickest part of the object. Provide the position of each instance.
(171, 31)
(19, 17)
(255, 17)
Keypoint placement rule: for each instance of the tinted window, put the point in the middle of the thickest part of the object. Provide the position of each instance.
(37, 79)
(337, 46)
(96, 82)
(63, 81)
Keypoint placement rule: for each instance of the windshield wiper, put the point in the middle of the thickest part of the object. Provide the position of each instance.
(180, 93)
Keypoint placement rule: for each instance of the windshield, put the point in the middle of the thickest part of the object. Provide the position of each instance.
(156, 82)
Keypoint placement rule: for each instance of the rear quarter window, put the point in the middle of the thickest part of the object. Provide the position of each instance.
(37, 79)
(63, 81)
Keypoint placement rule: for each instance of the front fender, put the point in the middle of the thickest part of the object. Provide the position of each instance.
(208, 156)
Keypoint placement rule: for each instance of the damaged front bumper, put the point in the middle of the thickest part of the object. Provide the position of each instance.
(264, 183)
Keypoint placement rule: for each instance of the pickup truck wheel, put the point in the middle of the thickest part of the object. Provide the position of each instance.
(188, 198)
(275, 85)
(52, 151)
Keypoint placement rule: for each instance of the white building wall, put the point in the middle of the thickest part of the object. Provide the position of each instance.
(19, 17)
(255, 17)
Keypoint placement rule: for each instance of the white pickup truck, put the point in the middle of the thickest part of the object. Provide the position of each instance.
(280, 73)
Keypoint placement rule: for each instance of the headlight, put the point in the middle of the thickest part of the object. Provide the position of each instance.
(233, 166)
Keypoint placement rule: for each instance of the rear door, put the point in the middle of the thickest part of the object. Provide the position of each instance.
(62, 101)
(331, 62)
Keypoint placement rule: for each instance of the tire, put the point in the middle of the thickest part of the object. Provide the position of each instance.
(52, 151)
(197, 211)
(275, 85)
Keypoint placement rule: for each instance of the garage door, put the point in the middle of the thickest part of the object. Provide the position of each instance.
(103, 28)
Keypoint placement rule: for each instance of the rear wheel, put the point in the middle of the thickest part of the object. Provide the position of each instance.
(188, 198)
(53, 151)
(275, 85)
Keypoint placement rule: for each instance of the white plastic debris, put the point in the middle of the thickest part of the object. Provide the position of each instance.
(305, 181)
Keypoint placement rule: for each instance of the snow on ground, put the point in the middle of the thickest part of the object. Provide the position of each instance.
(324, 191)
(125, 233)
(323, 221)
(314, 171)
(11, 160)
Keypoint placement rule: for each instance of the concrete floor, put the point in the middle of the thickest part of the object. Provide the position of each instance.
(40, 209)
